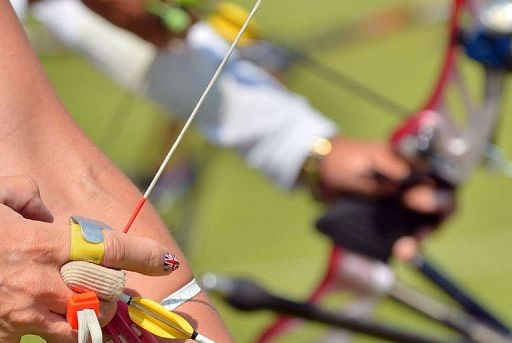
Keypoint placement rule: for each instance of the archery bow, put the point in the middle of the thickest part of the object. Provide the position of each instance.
(246, 295)
(433, 138)
(465, 164)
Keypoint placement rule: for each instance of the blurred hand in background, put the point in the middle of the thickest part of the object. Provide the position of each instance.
(373, 169)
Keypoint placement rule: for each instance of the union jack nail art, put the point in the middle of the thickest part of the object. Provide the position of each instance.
(171, 262)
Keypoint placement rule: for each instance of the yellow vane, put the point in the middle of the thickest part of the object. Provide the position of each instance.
(155, 318)
(227, 20)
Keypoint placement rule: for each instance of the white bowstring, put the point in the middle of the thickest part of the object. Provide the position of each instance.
(201, 100)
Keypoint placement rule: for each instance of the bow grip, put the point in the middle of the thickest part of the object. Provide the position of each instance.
(370, 227)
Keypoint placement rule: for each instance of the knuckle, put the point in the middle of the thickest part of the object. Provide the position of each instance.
(21, 319)
(58, 333)
(18, 318)
(30, 185)
(36, 319)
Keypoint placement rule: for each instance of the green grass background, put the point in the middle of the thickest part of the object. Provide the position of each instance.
(242, 225)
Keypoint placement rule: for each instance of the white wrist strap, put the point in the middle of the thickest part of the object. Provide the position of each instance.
(89, 329)
(181, 296)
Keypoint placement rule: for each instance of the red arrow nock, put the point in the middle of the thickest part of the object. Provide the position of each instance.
(79, 302)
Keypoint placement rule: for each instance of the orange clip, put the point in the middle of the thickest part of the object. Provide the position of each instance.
(79, 302)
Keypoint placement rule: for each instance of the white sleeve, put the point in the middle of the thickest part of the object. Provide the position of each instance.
(247, 110)
(118, 53)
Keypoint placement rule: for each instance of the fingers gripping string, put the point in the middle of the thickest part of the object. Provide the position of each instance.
(191, 117)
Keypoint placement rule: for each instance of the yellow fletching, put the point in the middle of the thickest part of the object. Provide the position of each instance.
(156, 319)
(229, 31)
(235, 14)
(227, 20)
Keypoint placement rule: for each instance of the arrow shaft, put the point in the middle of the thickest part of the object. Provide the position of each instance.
(191, 117)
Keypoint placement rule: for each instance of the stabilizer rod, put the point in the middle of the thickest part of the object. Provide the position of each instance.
(246, 295)
(470, 305)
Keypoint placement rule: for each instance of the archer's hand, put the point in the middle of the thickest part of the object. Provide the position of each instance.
(360, 167)
(33, 296)
(373, 169)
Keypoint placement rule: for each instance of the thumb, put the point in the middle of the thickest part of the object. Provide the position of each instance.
(137, 254)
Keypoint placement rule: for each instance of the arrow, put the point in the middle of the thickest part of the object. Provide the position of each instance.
(156, 319)
(196, 109)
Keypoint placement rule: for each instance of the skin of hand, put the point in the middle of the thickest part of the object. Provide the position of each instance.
(373, 169)
(40, 139)
(33, 296)
(351, 165)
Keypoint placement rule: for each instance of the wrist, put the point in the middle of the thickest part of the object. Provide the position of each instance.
(310, 174)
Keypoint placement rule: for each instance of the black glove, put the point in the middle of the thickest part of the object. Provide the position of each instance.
(371, 226)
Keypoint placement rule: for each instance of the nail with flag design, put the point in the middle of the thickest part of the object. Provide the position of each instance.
(171, 262)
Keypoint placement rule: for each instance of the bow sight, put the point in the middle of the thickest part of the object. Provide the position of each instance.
(436, 137)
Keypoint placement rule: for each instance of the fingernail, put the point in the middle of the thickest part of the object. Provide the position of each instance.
(171, 262)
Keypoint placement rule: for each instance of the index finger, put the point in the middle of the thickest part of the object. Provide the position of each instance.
(21, 193)
(141, 255)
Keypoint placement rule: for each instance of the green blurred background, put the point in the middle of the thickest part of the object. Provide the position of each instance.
(235, 222)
